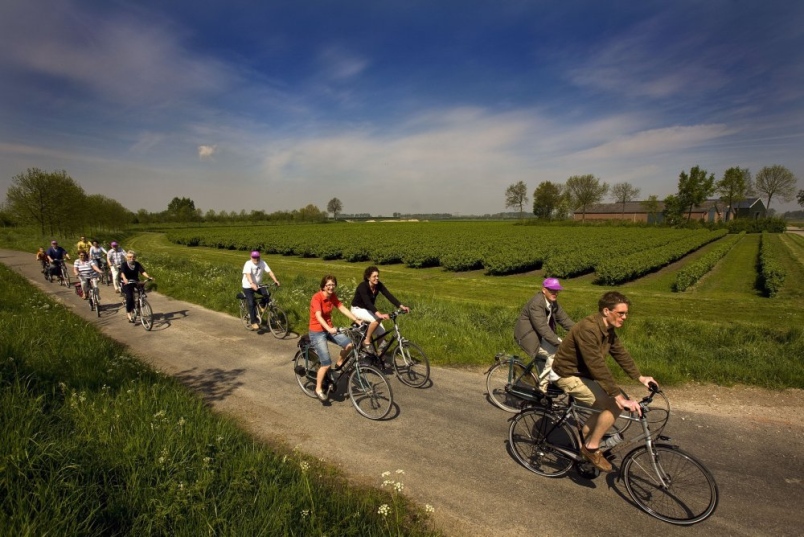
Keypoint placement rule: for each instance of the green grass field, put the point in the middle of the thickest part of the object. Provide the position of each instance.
(722, 330)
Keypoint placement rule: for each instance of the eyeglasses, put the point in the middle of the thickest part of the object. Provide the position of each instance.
(330, 285)
(619, 314)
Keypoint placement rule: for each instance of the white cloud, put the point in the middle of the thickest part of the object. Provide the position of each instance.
(206, 151)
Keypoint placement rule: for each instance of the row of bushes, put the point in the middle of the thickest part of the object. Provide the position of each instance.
(771, 272)
(692, 272)
(620, 269)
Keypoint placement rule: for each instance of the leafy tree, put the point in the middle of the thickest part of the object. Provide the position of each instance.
(183, 210)
(547, 198)
(673, 210)
(585, 190)
(100, 212)
(776, 180)
(49, 200)
(310, 213)
(516, 196)
(694, 188)
(801, 197)
(623, 193)
(651, 206)
(733, 187)
(334, 206)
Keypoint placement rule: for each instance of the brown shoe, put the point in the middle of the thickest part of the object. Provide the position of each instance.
(596, 458)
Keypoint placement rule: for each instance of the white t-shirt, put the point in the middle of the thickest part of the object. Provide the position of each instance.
(256, 272)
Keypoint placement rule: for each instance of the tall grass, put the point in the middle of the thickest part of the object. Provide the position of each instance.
(95, 443)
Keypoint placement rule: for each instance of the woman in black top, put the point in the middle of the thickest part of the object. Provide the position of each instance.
(363, 303)
(129, 272)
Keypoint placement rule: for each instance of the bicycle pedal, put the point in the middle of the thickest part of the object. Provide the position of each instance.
(300, 370)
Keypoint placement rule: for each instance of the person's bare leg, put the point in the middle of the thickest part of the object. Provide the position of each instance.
(319, 379)
(598, 424)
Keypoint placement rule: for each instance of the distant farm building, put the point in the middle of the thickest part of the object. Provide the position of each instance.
(708, 211)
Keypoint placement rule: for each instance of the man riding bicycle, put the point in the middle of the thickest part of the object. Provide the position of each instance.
(116, 257)
(56, 255)
(580, 364)
(535, 330)
(252, 278)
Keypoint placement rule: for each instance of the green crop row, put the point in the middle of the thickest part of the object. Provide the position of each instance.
(496, 247)
(692, 272)
(619, 269)
(771, 272)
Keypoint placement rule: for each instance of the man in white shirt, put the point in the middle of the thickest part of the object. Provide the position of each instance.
(252, 278)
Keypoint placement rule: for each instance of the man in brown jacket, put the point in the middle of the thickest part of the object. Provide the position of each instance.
(581, 364)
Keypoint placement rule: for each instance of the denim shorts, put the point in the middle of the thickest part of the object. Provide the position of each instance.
(319, 341)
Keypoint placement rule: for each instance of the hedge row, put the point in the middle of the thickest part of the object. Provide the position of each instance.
(692, 272)
(620, 269)
(771, 272)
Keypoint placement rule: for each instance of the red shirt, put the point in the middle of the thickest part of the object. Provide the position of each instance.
(321, 303)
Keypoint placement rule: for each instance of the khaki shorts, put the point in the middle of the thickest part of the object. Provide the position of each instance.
(588, 393)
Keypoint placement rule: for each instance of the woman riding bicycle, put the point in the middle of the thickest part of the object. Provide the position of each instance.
(363, 302)
(129, 273)
(84, 269)
(322, 329)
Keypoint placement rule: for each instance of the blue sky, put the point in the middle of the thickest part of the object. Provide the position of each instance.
(394, 106)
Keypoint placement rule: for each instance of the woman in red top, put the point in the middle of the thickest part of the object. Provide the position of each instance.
(322, 330)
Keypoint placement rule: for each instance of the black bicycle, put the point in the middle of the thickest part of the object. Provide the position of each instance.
(266, 311)
(664, 481)
(410, 363)
(368, 388)
(94, 296)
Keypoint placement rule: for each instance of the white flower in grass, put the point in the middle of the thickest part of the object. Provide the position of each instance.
(400, 471)
(305, 513)
(429, 508)
(385, 474)
(384, 510)
(304, 466)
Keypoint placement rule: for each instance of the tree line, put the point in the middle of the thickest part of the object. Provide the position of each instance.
(557, 201)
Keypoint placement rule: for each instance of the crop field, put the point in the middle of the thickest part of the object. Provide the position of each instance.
(723, 328)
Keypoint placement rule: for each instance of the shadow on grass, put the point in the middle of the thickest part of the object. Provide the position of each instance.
(213, 384)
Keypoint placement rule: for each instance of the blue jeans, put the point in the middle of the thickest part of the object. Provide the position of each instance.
(319, 341)
(249, 292)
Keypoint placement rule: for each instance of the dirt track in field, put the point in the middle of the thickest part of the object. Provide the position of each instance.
(451, 442)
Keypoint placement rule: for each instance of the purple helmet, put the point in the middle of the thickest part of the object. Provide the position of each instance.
(255, 253)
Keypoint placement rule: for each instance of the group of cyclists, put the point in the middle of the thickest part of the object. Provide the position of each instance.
(320, 326)
(92, 260)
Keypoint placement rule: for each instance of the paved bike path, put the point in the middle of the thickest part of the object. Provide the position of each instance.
(448, 439)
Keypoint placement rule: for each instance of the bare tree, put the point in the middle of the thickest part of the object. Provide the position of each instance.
(776, 180)
(516, 196)
(585, 190)
(623, 193)
(335, 207)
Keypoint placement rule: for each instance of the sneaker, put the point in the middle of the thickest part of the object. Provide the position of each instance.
(255, 326)
(322, 396)
(596, 458)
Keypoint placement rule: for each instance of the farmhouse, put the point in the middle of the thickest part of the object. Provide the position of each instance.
(708, 211)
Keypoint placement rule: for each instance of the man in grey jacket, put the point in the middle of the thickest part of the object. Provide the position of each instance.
(535, 330)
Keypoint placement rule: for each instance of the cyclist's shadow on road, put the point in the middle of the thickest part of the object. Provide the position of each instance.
(162, 320)
(213, 384)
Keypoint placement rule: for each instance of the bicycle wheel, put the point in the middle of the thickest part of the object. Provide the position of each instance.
(497, 380)
(65, 275)
(278, 322)
(96, 300)
(306, 376)
(689, 493)
(244, 315)
(370, 392)
(539, 445)
(146, 315)
(411, 365)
